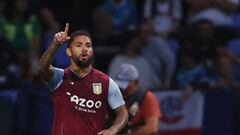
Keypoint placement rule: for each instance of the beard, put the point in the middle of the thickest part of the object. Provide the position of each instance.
(83, 64)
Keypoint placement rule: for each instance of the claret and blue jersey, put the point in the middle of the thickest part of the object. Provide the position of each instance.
(81, 103)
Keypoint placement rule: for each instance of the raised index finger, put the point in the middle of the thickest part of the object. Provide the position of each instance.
(66, 28)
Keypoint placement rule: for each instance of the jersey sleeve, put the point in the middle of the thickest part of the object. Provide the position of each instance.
(57, 79)
(115, 98)
(150, 106)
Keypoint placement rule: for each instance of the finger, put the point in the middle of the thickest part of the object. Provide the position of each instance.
(68, 38)
(59, 38)
(66, 28)
(63, 36)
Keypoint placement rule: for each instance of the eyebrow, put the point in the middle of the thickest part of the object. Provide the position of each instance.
(82, 43)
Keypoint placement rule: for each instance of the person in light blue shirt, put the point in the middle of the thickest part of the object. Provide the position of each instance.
(124, 15)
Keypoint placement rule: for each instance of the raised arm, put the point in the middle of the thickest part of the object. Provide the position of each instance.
(45, 68)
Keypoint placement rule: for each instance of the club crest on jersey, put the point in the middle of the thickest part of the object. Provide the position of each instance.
(97, 88)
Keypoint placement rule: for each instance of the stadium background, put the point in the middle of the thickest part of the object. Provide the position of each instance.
(202, 39)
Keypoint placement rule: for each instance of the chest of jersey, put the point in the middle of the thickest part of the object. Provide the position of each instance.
(80, 104)
(88, 94)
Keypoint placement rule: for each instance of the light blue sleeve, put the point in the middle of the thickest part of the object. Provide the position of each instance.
(115, 98)
(56, 80)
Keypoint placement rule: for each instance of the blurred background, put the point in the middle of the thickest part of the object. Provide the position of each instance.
(187, 52)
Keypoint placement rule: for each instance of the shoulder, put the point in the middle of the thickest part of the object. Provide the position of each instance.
(67, 71)
(112, 84)
(142, 60)
(99, 74)
(150, 105)
(150, 97)
(150, 94)
(117, 58)
(158, 41)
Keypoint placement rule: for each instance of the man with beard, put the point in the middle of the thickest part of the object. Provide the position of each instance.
(81, 94)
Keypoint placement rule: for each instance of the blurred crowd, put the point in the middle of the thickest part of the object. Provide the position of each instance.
(174, 44)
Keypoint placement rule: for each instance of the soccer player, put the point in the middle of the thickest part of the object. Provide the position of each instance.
(80, 93)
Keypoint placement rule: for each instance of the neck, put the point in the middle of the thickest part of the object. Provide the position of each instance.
(131, 53)
(81, 72)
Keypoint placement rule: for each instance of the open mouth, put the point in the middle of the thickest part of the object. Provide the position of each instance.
(84, 56)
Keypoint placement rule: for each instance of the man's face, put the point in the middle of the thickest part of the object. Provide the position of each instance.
(145, 33)
(21, 5)
(81, 51)
(131, 89)
(205, 32)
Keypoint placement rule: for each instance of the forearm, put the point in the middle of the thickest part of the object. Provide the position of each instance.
(144, 130)
(44, 66)
(149, 128)
(121, 119)
(47, 58)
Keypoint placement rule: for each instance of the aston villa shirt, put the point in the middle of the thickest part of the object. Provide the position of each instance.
(80, 103)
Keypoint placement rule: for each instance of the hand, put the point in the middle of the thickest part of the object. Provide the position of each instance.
(107, 132)
(62, 36)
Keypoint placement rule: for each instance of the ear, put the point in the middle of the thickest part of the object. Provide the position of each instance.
(68, 52)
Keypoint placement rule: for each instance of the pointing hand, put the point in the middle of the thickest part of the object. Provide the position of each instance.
(62, 36)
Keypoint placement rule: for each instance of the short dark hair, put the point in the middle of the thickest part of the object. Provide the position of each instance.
(78, 33)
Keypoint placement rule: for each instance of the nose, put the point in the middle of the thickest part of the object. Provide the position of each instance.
(84, 48)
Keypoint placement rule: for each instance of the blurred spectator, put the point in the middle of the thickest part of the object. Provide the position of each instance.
(45, 14)
(234, 48)
(165, 14)
(203, 40)
(9, 73)
(124, 15)
(72, 11)
(190, 71)
(211, 53)
(219, 12)
(55, 16)
(157, 53)
(147, 78)
(22, 31)
(225, 61)
(143, 107)
(2, 6)
(195, 75)
(106, 45)
(102, 25)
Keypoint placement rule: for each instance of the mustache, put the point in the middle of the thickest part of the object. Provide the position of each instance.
(83, 64)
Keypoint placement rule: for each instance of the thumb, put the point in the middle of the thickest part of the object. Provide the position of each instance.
(68, 38)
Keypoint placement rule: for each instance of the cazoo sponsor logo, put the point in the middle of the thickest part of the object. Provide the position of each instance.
(83, 104)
